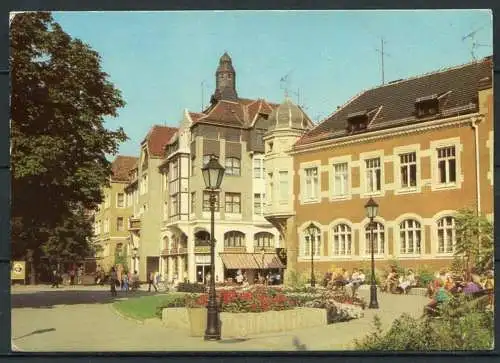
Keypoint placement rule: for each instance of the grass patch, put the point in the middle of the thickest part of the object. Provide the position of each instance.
(144, 307)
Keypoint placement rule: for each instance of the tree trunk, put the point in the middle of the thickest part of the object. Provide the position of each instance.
(32, 266)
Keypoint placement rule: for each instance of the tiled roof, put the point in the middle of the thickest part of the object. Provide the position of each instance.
(121, 167)
(157, 138)
(394, 103)
(240, 113)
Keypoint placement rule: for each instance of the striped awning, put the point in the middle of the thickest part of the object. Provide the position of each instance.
(271, 260)
(239, 260)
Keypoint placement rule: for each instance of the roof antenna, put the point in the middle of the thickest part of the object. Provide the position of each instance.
(202, 95)
(382, 55)
(474, 45)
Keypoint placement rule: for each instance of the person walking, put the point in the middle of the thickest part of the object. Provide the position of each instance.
(151, 281)
(125, 280)
(55, 278)
(113, 280)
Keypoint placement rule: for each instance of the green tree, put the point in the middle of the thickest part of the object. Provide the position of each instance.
(474, 240)
(59, 98)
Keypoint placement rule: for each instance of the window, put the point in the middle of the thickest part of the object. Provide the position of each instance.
(257, 168)
(408, 168)
(119, 224)
(174, 203)
(175, 169)
(119, 249)
(378, 238)
(193, 166)
(409, 237)
(233, 166)
(373, 175)
(446, 234)
(234, 239)
(270, 147)
(144, 184)
(283, 180)
(232, 202)
(342, 240)
(120, 200)
(340, 179)
(263, 239)
(258, 202)
(316, 239)
(446, 165)
(206, 202)
(311, 183)
(271, 187)
(193, 202)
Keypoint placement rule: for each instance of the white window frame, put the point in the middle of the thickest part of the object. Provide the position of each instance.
(123, 224)
(304, 197)
(434, 146)
(451, 228)
(260, 167)
(414, 231)
(336, 161)
(305, 247)
(283, 186)
(260, 199)
(338, 230)
(366, 231)
(396, 161)
(124, 204)
(363, 157)
(232, 166)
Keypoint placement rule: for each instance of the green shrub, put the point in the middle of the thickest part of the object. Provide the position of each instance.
(191, 287)
(425, 276)
(171, 301)
(464, 324)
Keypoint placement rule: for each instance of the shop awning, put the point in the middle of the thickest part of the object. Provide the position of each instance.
(271, 260)
(239, 261)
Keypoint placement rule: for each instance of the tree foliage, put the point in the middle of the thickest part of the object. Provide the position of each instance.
(474, 240)
(59, 98)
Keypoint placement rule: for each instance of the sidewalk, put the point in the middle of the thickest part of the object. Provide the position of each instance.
(96, 327)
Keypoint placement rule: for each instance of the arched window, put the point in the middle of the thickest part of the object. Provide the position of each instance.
(165, 242)
(378, 238)
(263, 239)
(234, 239)
(342, 240)
(409, 236)
(315, 238)
(446, 234)
(233, 166)
(202, 238)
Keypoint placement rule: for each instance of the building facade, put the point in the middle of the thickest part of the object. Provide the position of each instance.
(111, 219)
(145, 203)
(421, 147)
(232, 129)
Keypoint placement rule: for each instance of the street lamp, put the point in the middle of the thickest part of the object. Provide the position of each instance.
(263, 254)
(213, 173)
(311, 231)
(371, 208)
(134, 253)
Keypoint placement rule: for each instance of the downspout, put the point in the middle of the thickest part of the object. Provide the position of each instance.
(475, 126)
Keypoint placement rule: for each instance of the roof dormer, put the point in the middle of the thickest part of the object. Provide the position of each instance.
(427, 106)
(357, 121)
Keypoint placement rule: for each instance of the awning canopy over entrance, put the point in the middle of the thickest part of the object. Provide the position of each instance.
(271, 260)
(250, 261)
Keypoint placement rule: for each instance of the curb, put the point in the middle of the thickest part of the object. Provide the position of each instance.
(137, 321)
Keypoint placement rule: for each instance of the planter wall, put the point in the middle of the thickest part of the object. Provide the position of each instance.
(243, 324)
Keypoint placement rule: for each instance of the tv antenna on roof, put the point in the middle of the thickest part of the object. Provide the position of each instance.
(474, 44)
(285, 82)
(382, 56)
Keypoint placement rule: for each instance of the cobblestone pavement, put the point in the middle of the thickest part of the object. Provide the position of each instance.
(82, 319)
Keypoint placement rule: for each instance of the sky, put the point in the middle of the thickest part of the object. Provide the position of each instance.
(164, 62)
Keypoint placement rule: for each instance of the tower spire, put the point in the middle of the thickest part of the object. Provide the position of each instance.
(225, 80)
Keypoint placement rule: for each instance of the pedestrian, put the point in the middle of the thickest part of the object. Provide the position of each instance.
(151, 281)
(125, 282)
(79, 273)
(113, 279)
(72, 276)
(55, 278)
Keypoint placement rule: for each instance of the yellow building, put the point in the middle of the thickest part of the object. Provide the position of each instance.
(422, 148)
(110, 221)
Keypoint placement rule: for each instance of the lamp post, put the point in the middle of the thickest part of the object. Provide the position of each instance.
(134, 252)
(213, 173)
(371, 208)
(311, 229)
(262, 254)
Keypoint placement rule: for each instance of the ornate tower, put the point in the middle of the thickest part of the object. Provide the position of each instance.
(225, 80)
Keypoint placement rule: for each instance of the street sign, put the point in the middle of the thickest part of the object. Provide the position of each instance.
(18, 271)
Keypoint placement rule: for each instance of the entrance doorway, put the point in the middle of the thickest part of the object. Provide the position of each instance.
(201, 273)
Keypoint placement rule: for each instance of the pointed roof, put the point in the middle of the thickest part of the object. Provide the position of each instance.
(156, 139)
(393, 104)
(121, 167)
